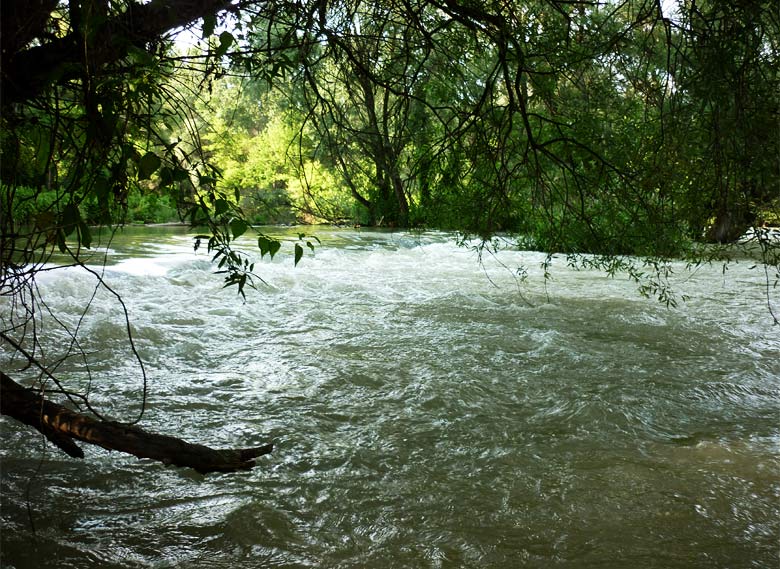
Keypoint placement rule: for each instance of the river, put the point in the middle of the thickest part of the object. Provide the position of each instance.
(427, 411)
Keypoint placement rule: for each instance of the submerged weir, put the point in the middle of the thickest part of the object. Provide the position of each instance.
(427, 411)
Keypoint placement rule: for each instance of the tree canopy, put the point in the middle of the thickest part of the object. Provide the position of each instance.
(615, 127)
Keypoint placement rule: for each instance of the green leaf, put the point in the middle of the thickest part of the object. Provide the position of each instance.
(180, 175)
(226, 39)
(221, 206)
(102, 190)
(238, 227)
(70, 219)
(268, 245)
(166, 176)
(85, 235)
(298, 253)
(147, 165)
(140, 56)
(206, 180)
(61, 241)
(209, 23)
(263, 244)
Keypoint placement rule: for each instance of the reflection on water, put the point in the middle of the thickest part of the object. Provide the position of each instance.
(422, 416)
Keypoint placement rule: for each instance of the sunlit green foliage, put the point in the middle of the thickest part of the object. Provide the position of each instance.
(612, 128)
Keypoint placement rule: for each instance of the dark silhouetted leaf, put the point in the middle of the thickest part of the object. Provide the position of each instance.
(148, 165)
(85, 235)
(268, 245)
(70, 219)
(226, 39)
(238, 227)
(220, 206)
(209, 23)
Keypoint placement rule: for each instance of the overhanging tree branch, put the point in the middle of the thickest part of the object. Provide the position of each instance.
(28, 70)
(62, 427)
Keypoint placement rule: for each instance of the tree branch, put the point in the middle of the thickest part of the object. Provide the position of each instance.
(62, 427)
(28, 71)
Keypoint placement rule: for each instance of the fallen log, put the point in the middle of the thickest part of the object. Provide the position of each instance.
(63, 427)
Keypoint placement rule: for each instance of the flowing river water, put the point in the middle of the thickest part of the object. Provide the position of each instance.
(427, 411)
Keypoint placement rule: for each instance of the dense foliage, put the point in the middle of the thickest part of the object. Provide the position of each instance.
(617, 128)
(614, 127)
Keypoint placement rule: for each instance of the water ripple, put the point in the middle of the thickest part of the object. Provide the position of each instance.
(422, 418)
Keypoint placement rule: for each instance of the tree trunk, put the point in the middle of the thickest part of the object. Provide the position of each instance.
(729, 225)
(63, 427)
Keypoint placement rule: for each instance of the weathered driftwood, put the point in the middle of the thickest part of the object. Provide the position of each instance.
(63, 426)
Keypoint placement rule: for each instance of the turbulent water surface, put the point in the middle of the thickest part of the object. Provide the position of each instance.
(427, 412)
